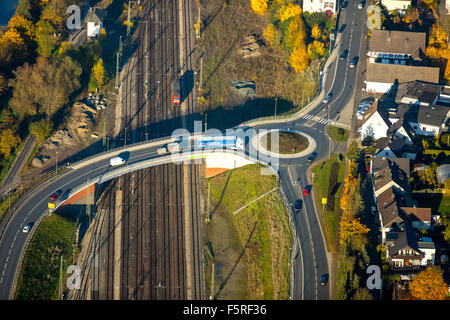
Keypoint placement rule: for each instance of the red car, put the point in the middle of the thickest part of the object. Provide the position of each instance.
(55, 195)
(305, 192)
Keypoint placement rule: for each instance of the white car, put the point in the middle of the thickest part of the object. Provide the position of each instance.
(360, 5)
(117, 161)
(26, 228)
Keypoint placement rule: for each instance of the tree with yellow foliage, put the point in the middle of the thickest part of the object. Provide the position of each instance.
(295, 32)
(299, 56)
(8, 141)
(316, 32)
(271, 35)
(351, 227)
(289, 11)
(429, 285)
(23, 26)
(259, 6)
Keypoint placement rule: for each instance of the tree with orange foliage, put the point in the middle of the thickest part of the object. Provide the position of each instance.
(429, 285)
(351, 227)
(259, 6)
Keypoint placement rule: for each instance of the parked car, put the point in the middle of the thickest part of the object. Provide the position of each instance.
(344, 54)
(353, 62)
(327, 97)
(55, 195)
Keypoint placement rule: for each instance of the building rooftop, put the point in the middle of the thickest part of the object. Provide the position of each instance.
(418, 214)
(389, 73)
(387, 206)
(432, 115)
(400, 42)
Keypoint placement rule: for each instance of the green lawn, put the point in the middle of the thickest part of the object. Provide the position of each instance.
(330, 219)
(266, 259)
(39, 278)
(337, 134)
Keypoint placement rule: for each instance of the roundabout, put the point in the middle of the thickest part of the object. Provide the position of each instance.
(259, 142)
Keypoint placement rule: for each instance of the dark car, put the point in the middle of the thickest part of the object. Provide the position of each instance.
(353, 62)
(324, 279)
(55, 195)
(312, 156)
(298, 204)
(344, 4)
(344, 55)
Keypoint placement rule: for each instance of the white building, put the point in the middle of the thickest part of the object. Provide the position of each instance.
(319, 5)
(398, 5)
(94, 20)
(374, 123)
(396, 47)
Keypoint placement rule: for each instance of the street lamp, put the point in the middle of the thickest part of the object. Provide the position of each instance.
(56, 163)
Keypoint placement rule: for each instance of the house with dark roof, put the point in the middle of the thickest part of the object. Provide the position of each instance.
(388, 210)
(390, 173)
(404, 248)
(389, 147)
(397, 47)
(95, 19)
(375, 122)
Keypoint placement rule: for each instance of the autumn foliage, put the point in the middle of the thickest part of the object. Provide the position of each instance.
(438, 51)
(350, 203)
(429, 285)
(259, 6)
(289, 11)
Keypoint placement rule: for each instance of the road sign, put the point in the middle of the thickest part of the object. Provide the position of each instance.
(51, 205)
(324, 200)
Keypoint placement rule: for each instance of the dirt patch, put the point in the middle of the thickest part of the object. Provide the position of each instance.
(289, 143)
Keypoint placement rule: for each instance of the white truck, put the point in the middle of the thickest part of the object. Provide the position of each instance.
(162, 151)
(174, 147)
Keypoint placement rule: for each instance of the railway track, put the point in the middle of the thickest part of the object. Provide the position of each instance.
(152, 236)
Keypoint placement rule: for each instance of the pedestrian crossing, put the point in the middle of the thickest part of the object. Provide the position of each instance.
(311, 117)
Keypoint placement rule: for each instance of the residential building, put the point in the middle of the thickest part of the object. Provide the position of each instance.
(420, 217)
(404, 249)
(319, 6)
(396, 5)
(390, 173)
(375, 122)
(380, 77)
(397, 47)
(94, 20)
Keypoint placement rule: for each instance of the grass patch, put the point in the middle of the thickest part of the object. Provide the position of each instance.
(289, 143)
(322, 173)
(224, 28)
(265, 264)
(337, 134)
(39, 278)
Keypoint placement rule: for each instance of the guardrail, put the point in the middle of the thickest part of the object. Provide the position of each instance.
(290, 214)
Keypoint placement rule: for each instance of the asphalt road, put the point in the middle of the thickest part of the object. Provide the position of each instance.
(312, 262)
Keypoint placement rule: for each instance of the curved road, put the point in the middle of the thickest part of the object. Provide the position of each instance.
(311, 261)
